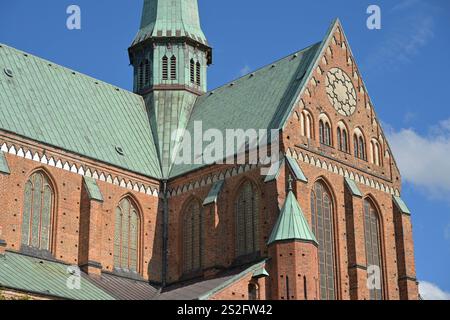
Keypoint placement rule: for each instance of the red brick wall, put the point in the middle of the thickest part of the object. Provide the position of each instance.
(69, 234)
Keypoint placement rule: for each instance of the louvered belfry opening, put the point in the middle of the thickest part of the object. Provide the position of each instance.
(173, 68)
(373, 246)
(192, 71)
(192, 237)
(126, 236)
(322, 225)
(247, 212)
(38, 212)
(198, 73)
(165, 68)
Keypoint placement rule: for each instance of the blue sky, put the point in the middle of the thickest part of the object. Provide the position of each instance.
(405, 65)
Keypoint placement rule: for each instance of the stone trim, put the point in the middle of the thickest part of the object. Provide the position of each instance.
(82, 170)
(342, 171)
(210, 179)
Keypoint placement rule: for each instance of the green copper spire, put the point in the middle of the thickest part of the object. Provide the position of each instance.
(170, 57)
(170, 18)
(291, 224)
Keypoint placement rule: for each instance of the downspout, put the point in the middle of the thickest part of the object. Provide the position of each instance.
(165, 234)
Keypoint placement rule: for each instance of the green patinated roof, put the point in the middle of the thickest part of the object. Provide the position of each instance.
(170, 18)
(353, 187)
(401, 205)
(214, 193)
(291, 224)
(93, 189)
(27, 274)
(298, 172)
(259, 100)
(4, 168)
(275, 169)
(56, 106)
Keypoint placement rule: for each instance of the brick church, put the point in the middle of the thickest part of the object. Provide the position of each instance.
(93, 205)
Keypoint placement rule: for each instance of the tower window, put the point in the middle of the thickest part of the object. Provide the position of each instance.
(147, 72)
(165, 68)
(141, 76)
(173, 68)
(199, 75)
(192, 69)
(253, 292)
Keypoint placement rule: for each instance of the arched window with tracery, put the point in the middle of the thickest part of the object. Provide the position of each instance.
(325, 132)
(126, 236)
(359, 145)
(322, 225)
(342, 137)
(246, 212)
(373, 248)
(38, 211)
(192, 237)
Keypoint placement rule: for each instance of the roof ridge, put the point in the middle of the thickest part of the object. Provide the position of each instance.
(261, 68)
(55, 64)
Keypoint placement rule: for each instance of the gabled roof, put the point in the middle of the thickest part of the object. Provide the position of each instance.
(258, 100)
(53, 105)
(291, 224)
(204, 289)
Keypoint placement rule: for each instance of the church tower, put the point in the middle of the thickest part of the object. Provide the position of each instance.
(170, 56)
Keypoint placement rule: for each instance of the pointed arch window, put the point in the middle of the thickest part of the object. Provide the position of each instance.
(165, 68)
(192, 237)
(322, 225)
(173, 68)
(198, 73)
(342, 138)
(38, 212)
(324, 132)
(359, 146)
(126, 236)
(373, 247)
(247, 211)
(253, 292)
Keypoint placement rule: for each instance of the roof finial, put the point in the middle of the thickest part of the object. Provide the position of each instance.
(290, 183)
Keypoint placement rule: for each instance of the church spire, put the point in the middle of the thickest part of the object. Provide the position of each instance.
(170, 56)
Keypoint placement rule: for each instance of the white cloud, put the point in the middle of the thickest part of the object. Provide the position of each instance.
(424, 159)
(430, 291)
(245, 70)
(404, 40)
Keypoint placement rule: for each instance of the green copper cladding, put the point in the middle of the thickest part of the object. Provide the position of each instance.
(170, 18)
(93, 189)
(58, 107)
(351, 185)
(291, 224)
(48, 278)
(401, 205)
